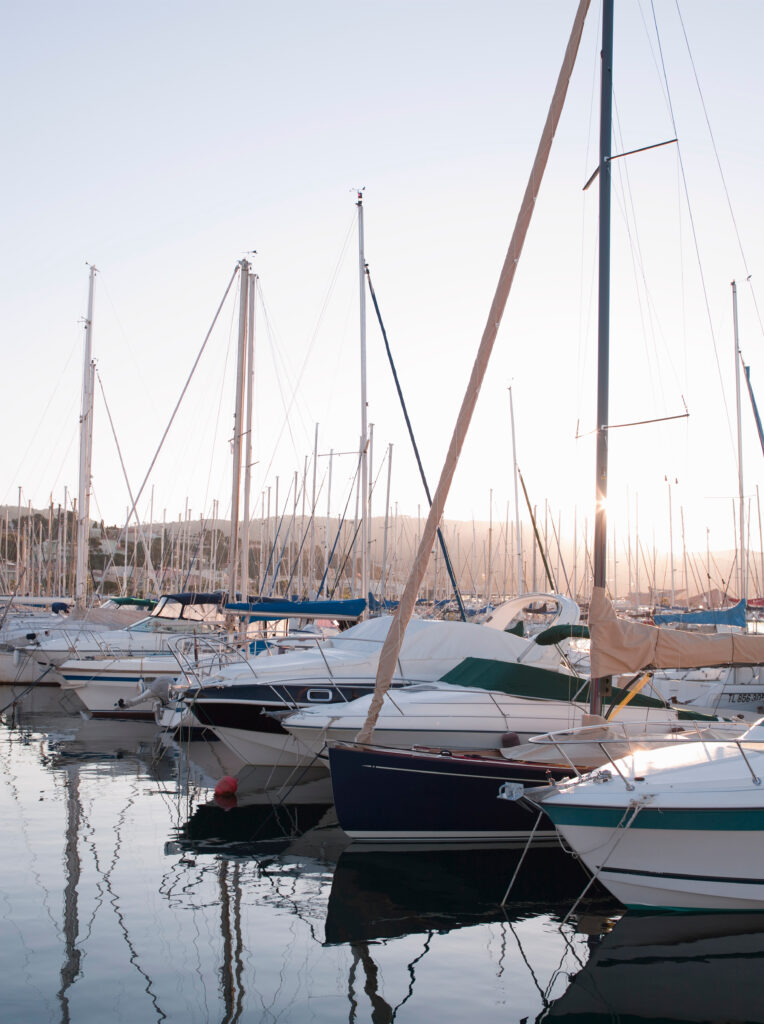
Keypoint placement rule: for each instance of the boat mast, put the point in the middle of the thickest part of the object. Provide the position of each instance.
(743, 588)
(238, 418)
(520, 586)
(671, 544)
(598, 686)
(364, 408)
(86, 453)
(250, 383)
(383, 568)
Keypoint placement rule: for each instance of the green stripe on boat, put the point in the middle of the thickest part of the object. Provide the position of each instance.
(727, 819)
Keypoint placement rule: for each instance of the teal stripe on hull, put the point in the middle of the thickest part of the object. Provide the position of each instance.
(732, 819)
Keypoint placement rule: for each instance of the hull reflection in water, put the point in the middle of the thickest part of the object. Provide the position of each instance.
(383, 895)
(671, 967)
(71, 738)
(246, 831)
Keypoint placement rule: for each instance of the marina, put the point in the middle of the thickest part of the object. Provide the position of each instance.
(128, 892)
(302, 755)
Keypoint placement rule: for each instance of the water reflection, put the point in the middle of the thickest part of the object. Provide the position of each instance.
(129, 892)
(378, 895)
(671, 967)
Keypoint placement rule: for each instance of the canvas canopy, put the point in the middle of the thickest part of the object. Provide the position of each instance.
(734, 616)
(619, 645)
(345, 610)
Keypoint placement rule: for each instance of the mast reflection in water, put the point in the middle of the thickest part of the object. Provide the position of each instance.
(128, 894)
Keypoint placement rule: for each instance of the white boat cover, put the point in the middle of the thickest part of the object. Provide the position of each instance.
(619, 646)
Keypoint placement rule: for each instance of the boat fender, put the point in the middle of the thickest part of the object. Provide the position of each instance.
(510, 739)
(226, 786)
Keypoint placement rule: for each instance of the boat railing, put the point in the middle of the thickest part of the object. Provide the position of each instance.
(202, 658)
(636, 741)
(80, 644)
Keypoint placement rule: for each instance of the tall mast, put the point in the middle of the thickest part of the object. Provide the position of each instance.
(86, 452)
(671, 545)
(684, 561)
(383, 588)
(312, 552)
(238, 419)
(520, 586)
(742, 573)
(364, 409)
(603, 327)
(250, 383)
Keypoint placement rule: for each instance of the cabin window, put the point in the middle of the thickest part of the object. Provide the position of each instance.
(319, 696)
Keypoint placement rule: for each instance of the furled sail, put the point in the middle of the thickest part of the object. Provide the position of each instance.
(619, 645)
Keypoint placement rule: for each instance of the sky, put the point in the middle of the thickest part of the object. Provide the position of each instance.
(164, 142)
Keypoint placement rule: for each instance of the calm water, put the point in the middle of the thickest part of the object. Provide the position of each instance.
(128, 895)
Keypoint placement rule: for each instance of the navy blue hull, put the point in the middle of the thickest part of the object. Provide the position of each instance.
(387, 795)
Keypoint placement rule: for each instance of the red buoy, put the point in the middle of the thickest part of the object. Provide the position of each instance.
(227, 786)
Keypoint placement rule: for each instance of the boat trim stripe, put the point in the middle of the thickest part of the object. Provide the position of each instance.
(682, 877)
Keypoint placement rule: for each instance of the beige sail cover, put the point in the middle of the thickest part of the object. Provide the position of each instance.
(619, 645)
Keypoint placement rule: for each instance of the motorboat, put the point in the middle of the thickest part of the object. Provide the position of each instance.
(676, 827)
(173, 615)
(136, 683)
(474, 707)
(25, 629)
(244, 705)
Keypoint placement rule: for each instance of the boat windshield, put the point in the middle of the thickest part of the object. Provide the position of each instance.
(181, 614)
(170, 607)
(152, 624)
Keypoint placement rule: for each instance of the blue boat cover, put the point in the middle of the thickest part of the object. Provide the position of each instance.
(282, 609)
(734, 616)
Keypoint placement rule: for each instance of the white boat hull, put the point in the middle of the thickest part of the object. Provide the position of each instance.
(688, 872)
(19, 667)
(110, 688)
(266, 748)
(681, 827)
(450, 718)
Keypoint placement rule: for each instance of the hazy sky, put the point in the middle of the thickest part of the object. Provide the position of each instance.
(164, 141)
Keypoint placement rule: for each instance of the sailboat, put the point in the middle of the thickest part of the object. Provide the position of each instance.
(680, 826)
(473, 712)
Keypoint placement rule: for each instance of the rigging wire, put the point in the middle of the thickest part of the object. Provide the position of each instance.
(180, 399)
(41, 418)
(585, 314)
(286, 424)
(719, 165)
(625, 201)
(221, 391)
(146, 546)
(696, 241)
(137, 363)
